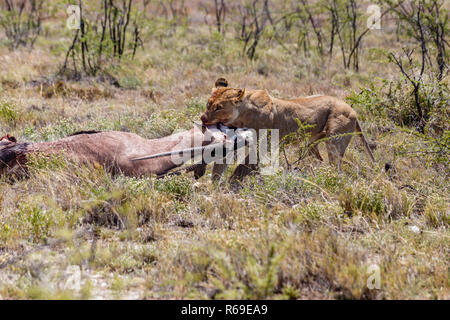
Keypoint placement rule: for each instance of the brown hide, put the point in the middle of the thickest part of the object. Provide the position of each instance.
(113, 150)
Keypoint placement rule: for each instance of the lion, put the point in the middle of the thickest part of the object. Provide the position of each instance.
(329, 117)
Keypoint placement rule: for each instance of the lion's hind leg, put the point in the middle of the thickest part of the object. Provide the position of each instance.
(314, 149)
(315, 152)
(340, 136)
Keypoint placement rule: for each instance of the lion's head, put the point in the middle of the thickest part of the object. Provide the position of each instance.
(223, 105)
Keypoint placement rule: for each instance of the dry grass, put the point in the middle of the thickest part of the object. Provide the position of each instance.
(307, 233)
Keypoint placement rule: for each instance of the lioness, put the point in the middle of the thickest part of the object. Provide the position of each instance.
(331, 118)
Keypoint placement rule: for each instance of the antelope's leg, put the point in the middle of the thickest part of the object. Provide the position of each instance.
(245, 167)
(218, 170)
(199, 171)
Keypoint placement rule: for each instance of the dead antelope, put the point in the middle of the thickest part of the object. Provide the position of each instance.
(117, 151)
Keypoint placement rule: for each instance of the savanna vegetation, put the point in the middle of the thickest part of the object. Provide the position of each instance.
(307, 232)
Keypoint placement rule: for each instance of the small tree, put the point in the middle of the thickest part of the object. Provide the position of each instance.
(347, 21)
(21, 21)
(103, 36)
(312, 19)
(426, 21)
(175, 12)
(254, 17)
(220, 10)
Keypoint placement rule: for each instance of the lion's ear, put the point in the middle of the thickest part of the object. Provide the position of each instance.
(240, 94)
(221, 82)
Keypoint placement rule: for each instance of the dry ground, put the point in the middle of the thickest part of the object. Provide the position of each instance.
(312, 232)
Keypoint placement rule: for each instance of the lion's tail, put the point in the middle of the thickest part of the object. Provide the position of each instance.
(364, 141)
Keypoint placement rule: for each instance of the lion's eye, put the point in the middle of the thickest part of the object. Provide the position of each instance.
(219, 108)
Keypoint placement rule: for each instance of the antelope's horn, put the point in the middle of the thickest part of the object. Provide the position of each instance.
(171, 153)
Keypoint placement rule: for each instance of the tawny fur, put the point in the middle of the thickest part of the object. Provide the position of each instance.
(256, 109)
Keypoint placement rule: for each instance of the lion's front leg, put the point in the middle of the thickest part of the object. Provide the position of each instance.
(218, 170)
(243, 170)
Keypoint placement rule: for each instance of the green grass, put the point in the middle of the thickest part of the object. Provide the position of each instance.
(306, 233)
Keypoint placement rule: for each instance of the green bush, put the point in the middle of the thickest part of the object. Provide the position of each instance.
(35, 221)
(8, 113)
(394, 100)
(380, 201)
(393, 103)
(178, 186)
(436, 213)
